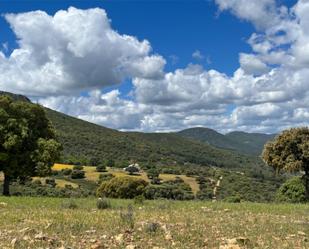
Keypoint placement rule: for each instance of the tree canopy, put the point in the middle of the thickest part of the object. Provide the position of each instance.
(290, 152)
(27, 141)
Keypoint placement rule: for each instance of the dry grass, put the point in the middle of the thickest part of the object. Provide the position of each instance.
(47, 223)
(188, 180)
(92, 175)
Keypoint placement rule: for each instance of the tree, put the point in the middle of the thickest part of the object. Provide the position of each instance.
(27, 141)
(132, 170)
(290, 152)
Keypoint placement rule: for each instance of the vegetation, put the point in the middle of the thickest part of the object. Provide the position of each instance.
(103, 203)
(27, 141)
(290, 152)
(83, 140)
(48, 223)
(122, 187)
(242, 142)
(293, 190)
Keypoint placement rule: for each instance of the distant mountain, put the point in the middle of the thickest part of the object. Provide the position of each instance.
(248, 143)
(82, 140)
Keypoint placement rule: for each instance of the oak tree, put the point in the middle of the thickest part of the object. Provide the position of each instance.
(290, 152)
(28, 145)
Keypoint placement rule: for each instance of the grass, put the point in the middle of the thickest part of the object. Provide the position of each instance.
(46, 223)
(92, 175)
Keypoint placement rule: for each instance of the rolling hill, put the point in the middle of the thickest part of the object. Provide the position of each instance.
(242, 142)
(83, 141)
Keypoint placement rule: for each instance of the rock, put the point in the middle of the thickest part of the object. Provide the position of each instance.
(235, 243)
(130, 247)
(3, 204)
(301, 233)
(98, 246)
(14, 242)
(119, 238)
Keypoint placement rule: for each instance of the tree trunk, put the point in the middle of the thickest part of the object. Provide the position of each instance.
(306, 178)
(6, 185)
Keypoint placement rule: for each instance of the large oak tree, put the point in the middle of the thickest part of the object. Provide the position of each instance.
(290, 152)
(27, 141)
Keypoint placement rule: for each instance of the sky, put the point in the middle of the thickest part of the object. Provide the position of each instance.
(159, 66)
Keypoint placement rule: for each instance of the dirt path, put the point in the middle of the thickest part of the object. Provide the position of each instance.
(214, 195)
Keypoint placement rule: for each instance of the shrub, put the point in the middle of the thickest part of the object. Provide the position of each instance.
(66, 172)
(37, 182)
(101, 168)
(70, 204)
(103, 203)
(153, 173)
(51, 182)
(78, 174)
(139, 199)
(78, 167)
(176, 190)
(293, 190)
(122, 187)
(204, 195)
(152, 227)
(105, 177)
(233, 199)
(128, 217)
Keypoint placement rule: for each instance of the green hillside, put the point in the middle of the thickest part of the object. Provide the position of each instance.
(82, 139)
(242, 142)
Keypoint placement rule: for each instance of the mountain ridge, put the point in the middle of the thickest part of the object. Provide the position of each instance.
(83, 140)
(240, 141)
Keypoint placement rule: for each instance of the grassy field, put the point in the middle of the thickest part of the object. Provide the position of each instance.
(92, 175)
(50, 223)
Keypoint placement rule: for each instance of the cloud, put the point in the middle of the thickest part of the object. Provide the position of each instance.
(198, 55)
(81, 52)
(262, 13)
(71, 51)
(107, 109)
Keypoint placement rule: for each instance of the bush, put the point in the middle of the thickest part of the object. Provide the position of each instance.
(37, 182)
(78, 174)
(128, 217)
(153, 173)
(139, 199)
(69, 204)
(175, 190)
(122, 187)
(78, 167)
(101, 168)
(103, 203)
(51, 182)
(66, 172)
(152, 227)
(233, 199)
(293, 190)
(105, 177)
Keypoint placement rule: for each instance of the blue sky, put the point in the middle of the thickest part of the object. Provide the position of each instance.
(175, 29)
(226, 79)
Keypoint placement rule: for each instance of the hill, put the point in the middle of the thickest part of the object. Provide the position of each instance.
(242, 142)
(84, 140)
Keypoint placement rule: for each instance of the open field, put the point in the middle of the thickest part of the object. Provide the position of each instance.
(49, 223)
(92, 175)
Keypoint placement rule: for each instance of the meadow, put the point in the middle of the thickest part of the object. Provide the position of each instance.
(37, 222)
